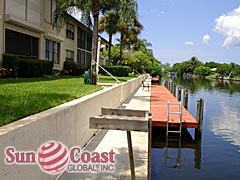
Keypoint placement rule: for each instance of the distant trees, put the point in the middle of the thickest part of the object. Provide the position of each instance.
(186, 67)
(202, 71)
(195, 66)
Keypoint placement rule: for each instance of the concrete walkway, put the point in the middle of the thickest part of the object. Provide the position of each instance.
(106, 141)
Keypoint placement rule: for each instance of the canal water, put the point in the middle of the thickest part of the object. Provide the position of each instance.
(214, 156)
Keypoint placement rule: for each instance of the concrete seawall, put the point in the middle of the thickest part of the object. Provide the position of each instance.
(67, 123)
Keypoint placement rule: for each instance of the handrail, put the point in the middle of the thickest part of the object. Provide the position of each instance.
(108, 73)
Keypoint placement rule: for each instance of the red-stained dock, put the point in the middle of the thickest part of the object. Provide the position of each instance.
(160, 96)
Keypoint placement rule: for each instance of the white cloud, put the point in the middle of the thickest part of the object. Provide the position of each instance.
(205, 38)
(189, 43)
(229, 26)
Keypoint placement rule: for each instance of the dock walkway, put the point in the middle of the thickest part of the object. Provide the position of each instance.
(160, 96)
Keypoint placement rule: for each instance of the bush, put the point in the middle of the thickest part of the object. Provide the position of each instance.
(10, 62)
(156, 71)
(120, 71)
(202, 71)
(20, 67)
(34, 68)
(72, 68)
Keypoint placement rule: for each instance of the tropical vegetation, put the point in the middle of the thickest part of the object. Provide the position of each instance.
(213, 69)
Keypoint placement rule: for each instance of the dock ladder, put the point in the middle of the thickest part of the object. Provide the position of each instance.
(174, 108)
(174, 116)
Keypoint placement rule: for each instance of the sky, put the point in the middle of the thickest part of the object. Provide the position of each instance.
(180, 29)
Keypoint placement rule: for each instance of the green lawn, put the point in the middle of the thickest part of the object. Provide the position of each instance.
(109, 79)
(26, 96)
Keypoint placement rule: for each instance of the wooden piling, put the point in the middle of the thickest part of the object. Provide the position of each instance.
(179, 97)
(198, 132)
(130, 153)
(199, 116)
(149, 145)
(174, 90)
(185, 99)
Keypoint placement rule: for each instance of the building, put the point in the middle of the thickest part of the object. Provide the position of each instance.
(26, 30)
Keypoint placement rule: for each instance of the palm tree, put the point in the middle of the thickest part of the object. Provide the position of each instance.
(88, 8)
(132, 32)
(128, 24)
(108, 23)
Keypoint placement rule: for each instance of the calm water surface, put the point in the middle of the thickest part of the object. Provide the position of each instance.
(219, 157)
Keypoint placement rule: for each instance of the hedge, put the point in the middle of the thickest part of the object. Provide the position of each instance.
(72, 68)
(22, 67)
(11, 64)
(120, 71)
(34, 68)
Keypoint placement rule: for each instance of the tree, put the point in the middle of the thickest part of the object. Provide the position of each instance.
(128, 24)
(108, 23)
(202, 71)
(88, 8)
(223, 69)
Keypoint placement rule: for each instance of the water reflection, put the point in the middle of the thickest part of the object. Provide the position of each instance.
(227, 123)
(173, 146)
(195, 84)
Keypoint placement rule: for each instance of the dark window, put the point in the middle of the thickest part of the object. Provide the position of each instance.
(69, 55)
(81, 58)
(52, 51)
(81, 38)
(21, 44)
(89, 42)
(88, 60)
(70, 31)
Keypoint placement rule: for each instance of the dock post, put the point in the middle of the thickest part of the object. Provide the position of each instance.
(175, 87)
(172, 90)
(185, 100)
(179, 97)
(199, 116)
(149, 144)
(130, 153)
(198, 133)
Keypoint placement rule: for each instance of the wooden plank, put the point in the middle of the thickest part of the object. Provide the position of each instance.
(159, 97)
(130, 153)
(124, 112)
(116, 123)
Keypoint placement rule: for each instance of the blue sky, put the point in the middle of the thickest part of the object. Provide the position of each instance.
(180, 29)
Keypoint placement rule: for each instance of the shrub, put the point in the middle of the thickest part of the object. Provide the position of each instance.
(22, 67)
(72, 68)
(34, 68)
(156, 71)
(120, 71)
(10, 62)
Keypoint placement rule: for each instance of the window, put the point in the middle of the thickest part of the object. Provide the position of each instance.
(89, 42)
(69, 55)
(70, 31)
(50, 6)
(88, 60)
(81, 38)
(81, 58)
(52, 51)
(21, 44)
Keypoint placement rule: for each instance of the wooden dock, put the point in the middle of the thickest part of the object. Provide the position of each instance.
(160, 96)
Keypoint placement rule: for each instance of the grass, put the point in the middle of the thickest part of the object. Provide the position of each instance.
(22, 97)
(109, 79)
(26, 96)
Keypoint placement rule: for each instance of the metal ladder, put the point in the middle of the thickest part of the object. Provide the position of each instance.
(173, 139)
(177, 105)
